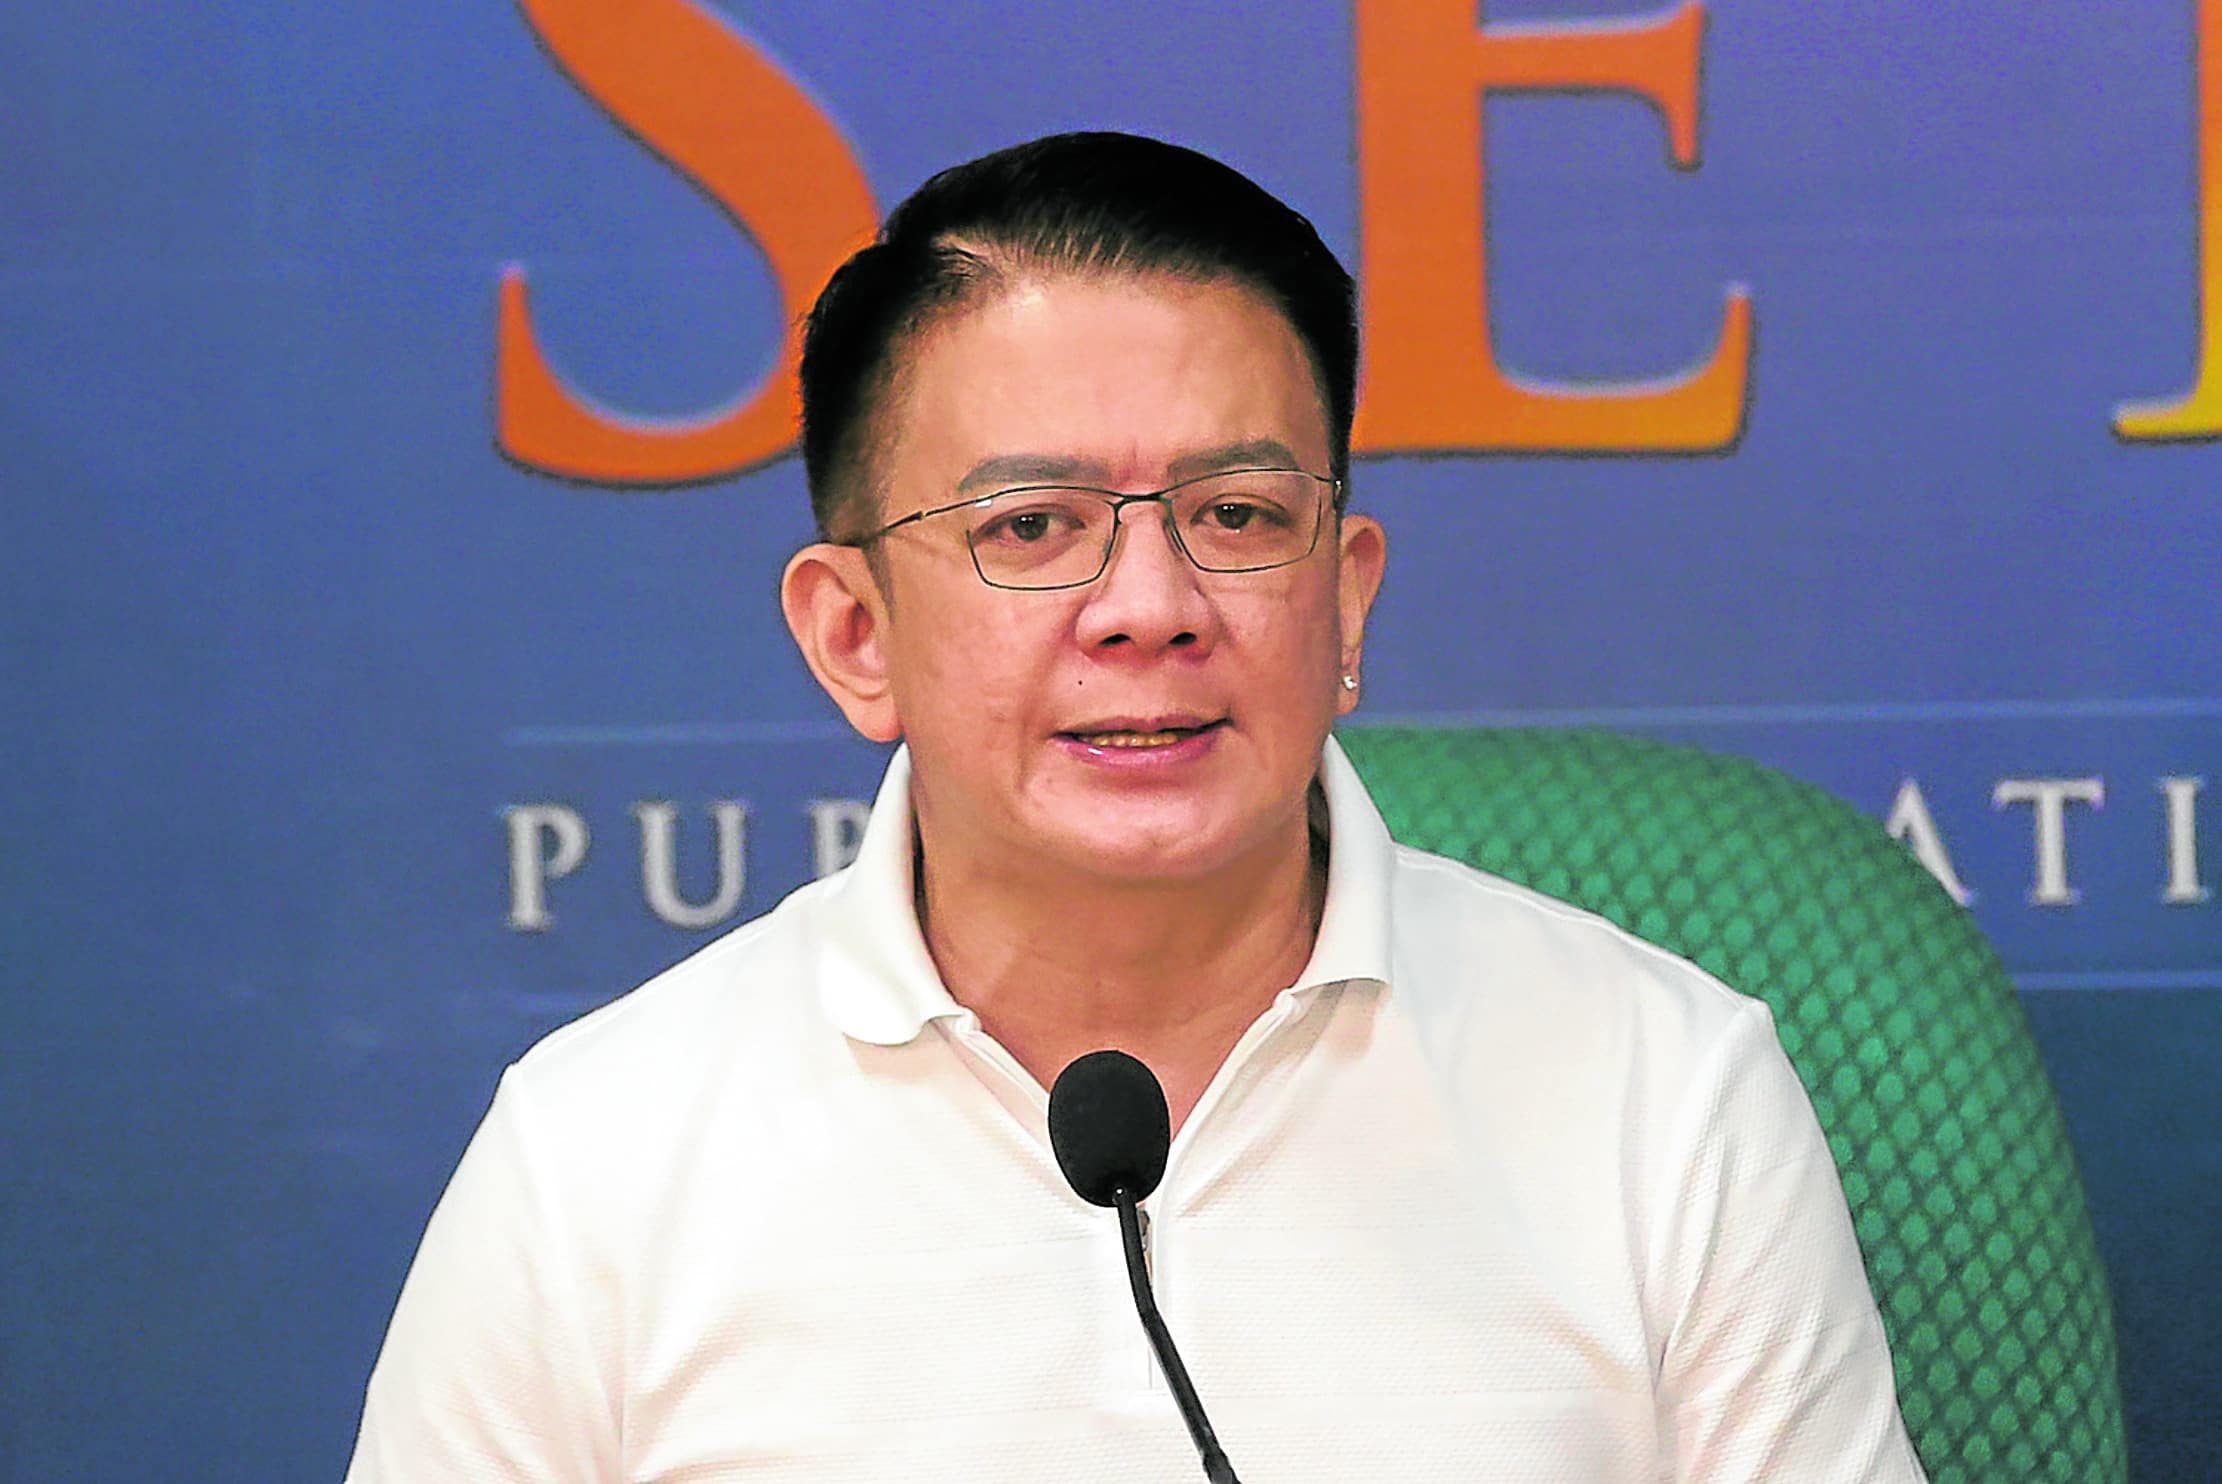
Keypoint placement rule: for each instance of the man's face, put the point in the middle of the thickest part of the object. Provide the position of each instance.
(1161, 722)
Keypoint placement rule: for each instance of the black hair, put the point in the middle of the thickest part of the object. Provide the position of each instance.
(1090, 202)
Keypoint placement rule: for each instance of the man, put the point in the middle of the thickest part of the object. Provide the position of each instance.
(1465, 1184)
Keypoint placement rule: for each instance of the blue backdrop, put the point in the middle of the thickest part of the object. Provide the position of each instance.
(306, 688)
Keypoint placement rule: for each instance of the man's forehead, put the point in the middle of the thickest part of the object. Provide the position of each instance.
(962, 455)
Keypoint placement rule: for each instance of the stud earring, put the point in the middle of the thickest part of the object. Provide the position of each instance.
(1350, 682)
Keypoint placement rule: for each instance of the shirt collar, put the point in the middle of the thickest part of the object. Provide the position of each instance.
(1354, 925)
(879, 984)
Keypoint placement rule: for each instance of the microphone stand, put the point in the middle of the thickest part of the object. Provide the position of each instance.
(1216, 1468)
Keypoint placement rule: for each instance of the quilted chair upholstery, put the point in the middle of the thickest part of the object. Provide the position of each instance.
(1899, 1018)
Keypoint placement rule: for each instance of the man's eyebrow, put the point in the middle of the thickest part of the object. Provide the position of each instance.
(1028, 468)
(1250, 453)
(1007, 470)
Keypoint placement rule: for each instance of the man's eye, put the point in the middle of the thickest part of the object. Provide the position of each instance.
(1025, 527)
(1238, 515)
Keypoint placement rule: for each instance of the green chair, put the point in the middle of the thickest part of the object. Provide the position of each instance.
(1899, 1018)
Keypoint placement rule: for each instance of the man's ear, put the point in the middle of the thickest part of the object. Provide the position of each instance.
(1363, 557)
(838, 616)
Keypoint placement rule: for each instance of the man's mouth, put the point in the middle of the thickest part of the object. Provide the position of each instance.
(1140, 738)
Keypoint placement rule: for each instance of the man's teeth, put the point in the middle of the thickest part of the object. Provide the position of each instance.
(1135, 739)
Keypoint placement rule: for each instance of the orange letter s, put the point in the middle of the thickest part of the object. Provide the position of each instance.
(730, 120)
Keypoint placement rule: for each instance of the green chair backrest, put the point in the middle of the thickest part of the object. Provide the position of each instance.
(1899, 1018)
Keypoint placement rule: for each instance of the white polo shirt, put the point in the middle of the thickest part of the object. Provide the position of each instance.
(1493, 1192)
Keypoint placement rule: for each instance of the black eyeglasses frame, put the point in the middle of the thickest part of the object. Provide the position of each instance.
(1118, 501)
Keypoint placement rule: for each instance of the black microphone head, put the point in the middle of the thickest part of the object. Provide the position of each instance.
(1109, 1126)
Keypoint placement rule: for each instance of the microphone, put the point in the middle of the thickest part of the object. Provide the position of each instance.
(1110, 1129)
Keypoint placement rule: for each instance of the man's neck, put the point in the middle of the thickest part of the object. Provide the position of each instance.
(1057, 966)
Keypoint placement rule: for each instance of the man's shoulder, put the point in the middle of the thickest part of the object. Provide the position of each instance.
(1471, 945)
(745, 997)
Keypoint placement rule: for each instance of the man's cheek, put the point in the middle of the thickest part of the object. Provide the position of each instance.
(984, 700)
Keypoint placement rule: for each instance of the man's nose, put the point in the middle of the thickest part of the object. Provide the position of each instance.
(1149, 594)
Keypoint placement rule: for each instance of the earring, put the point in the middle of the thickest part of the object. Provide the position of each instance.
(1350, 682)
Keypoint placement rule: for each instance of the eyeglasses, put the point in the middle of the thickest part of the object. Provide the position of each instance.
(1039, 537)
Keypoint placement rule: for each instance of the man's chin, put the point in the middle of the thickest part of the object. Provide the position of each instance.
(1142, 846)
